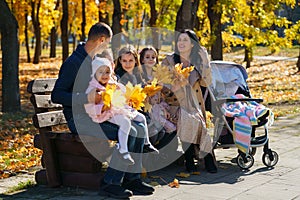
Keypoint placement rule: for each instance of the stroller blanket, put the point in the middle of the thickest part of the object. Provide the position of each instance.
(245, 115)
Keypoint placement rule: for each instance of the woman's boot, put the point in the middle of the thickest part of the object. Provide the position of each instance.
(210, 165)
(189, 157)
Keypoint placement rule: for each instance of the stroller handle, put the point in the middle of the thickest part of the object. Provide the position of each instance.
(221, 101)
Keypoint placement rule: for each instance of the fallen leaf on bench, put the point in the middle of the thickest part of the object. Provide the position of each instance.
(183, 175)
(174, 184)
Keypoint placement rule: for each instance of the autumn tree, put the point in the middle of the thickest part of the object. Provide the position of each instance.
(35, 15)
(293, 34)
(10, 60)
(214, 14)
(116, 26)
(255, 21)
(53, 33)
(83, 23)
(64, 29)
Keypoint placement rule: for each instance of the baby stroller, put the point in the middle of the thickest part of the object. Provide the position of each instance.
(229, 79)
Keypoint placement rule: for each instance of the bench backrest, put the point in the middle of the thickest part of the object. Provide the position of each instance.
(47, 113)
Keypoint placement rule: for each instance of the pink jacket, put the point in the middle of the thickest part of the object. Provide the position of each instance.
(95, 110)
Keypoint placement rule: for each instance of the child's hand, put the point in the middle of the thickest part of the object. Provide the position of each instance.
(94, 96)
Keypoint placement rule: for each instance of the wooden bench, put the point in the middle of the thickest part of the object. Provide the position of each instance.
(65, 160)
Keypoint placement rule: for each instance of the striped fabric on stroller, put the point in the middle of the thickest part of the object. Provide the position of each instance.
(237, 116)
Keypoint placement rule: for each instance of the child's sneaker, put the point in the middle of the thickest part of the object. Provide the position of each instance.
(148, 148)
(126, 158)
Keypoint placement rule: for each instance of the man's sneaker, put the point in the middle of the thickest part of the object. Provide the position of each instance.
(115, 191)
(138, 187)
(148, 148)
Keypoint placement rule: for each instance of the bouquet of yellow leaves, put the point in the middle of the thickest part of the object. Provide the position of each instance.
(181, 75)
(163, 74)
(112, 97)
(135, 96)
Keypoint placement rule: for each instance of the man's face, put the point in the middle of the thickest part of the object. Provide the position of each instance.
(103, 43)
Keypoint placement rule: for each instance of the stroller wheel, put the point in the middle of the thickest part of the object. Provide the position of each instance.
(245, 162)
(270, 158)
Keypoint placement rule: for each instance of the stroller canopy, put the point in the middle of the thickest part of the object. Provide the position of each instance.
(227, 77)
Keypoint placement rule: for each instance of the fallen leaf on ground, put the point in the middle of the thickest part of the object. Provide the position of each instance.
(175, 183)
(183, 175)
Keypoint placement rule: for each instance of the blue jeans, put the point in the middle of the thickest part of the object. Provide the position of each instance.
(136, 142)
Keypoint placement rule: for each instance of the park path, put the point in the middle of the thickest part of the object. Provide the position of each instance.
(281, 182)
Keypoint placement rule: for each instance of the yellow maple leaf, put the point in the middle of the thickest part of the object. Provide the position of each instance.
(135, 96)
(183, 175)
(118, 99)
(183, 72)
(107, 96)
(152, 89)
(162, 74)
(195, 173)
(147, 107)
(175, 183)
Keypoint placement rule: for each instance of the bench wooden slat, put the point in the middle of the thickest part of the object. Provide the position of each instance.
(74, 163)
(44, 101)
(47, 119)
(41, 85)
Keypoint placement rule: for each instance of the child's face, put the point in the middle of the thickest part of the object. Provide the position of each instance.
(128, 62)
(103, 75)
(149, 58)
(154, 100)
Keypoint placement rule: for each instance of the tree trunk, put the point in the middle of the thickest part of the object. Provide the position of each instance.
(83, 23)
(37, 31)
(152, 23)
(184, 16)
(248, 56)
(10, 60)
(53, 36)
(103, 17)
(195, 18)
(216, 30)
(26, 37)
(116, 27)
(64, 30)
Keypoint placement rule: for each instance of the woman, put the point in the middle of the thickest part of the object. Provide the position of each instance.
(148, 59)
(128, 68)
(192, 119)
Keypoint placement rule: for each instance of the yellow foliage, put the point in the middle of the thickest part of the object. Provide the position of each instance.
(183, 175)
(152, 89)
(183, 73)
(174, 184)
(162, 74)
(135, 96)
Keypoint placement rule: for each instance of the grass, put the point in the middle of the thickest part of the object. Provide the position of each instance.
(21, 186)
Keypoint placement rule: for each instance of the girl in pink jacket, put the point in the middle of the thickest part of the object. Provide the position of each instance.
(121, 116)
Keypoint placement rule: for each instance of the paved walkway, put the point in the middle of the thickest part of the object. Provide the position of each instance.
(281, 182)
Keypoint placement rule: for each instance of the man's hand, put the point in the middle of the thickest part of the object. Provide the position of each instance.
(94, 96)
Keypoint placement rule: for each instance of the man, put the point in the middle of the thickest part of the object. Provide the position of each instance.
(69, 90)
